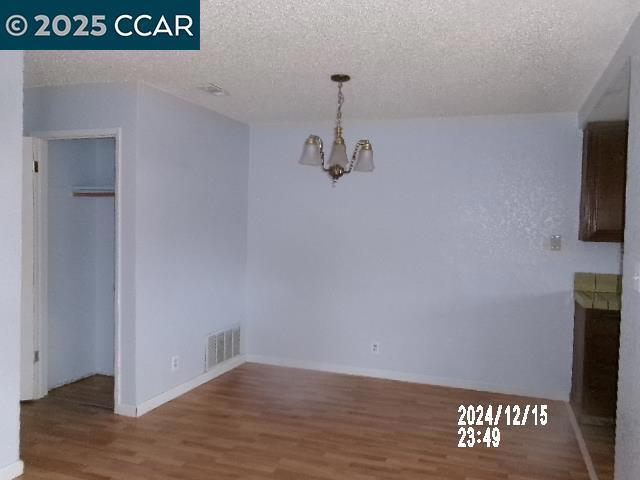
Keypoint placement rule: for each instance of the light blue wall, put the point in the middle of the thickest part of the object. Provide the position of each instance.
(441, 254)
(628, 422)
(10, 252)
(191, 235)
(183, 196)
(436, 251)
(90, 107)
(105, 258)
(81, 260)
(627, 465)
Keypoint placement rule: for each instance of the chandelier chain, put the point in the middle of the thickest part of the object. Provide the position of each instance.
(340, 103)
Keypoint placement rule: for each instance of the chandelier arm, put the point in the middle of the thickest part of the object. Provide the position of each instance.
(323, 165)
(359, 146)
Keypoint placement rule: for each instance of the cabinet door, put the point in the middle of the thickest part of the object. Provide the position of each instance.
(577, 377)
(604, 166)
(602, 342)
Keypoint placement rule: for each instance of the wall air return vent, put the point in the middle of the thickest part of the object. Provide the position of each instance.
(236, 342)
(212, 347)
(222, 346)
(228, 344)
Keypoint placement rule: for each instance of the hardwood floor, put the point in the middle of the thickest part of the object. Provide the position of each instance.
(260, 422)
(600, 441)
(96, 391)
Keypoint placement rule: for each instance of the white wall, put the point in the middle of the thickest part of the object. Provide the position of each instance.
(81, 260)
(10, 256)
(191, 237)
(441, 254)
(628, 422)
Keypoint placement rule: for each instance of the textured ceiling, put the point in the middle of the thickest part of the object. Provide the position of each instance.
(407, 57)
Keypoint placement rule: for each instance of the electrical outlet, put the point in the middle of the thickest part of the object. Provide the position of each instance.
(375, 348)
(175, 363)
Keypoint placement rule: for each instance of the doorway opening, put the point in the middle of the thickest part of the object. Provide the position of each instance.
(70, 319)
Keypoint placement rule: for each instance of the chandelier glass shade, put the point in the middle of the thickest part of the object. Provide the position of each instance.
(339, 163)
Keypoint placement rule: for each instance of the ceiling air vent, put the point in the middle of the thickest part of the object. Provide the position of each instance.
(213, 89)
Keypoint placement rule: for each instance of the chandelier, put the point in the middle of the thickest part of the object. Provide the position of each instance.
(339, 164)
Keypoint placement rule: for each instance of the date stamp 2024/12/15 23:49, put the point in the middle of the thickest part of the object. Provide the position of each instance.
(479, 425)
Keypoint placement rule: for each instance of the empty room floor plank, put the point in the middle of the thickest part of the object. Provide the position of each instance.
(96, 390)
(261, 422)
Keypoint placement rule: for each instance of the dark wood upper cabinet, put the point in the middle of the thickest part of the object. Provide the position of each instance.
(604, 175)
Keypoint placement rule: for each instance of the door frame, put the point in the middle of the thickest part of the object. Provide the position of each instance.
(41, 241)
(30, 381)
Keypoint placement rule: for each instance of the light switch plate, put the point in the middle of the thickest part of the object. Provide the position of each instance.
(556, 243)
(636, 278)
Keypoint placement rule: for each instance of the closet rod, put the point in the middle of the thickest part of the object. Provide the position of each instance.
(93, 192)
